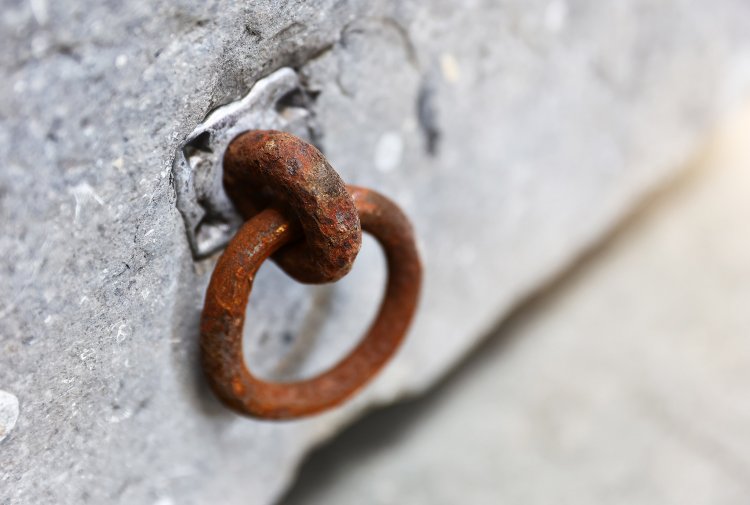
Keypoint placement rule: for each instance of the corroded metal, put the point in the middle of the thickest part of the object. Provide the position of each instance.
(263, 168)
(292, 190)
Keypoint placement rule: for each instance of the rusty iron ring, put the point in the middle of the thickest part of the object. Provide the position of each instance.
(229, 290)
(273, 168)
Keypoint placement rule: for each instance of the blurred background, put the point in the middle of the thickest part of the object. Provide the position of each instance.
(624, 381)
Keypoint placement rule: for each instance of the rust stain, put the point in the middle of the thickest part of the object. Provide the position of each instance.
(298, 214)
(271, 168)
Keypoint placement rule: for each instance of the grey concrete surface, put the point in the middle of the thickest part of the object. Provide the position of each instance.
(513, 133)
(626, 383)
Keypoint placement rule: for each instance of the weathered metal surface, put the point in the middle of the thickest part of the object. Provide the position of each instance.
(315, 240)
(263, 168)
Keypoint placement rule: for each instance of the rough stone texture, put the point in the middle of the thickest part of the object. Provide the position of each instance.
(514, 133)
(626, 383)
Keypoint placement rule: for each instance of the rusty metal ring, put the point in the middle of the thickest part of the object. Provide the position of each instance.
(273, 168)
(229, 290)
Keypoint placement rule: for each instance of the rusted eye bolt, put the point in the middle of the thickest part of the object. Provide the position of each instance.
(300, 213)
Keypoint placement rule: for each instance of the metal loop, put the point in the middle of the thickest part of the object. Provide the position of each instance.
(275, 169)
(223, 315)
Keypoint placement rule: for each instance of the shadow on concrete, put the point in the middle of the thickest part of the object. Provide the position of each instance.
(385, 427)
